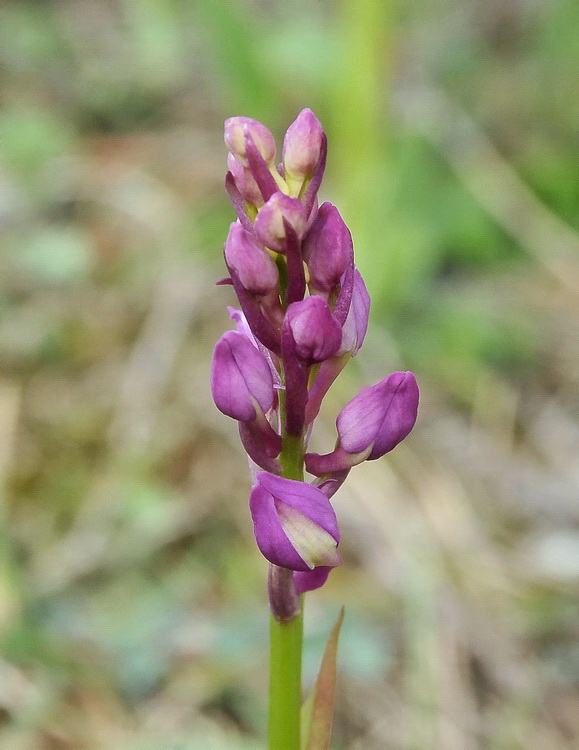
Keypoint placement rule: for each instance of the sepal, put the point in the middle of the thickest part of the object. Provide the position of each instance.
(380, 416)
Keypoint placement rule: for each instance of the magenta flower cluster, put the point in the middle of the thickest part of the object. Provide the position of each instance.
(304, 313)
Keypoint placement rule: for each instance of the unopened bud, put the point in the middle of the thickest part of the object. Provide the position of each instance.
(317, 335)
(328, 248)
(371, 424)
(241, 381)
(254, 266)
(302, 146)
(269, 224)
(236, 129)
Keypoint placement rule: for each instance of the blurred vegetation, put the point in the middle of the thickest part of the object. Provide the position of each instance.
(132, 604)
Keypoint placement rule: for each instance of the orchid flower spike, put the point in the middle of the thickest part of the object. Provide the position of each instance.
(304, 315)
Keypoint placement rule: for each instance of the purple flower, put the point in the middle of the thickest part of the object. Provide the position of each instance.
(294, 523)
(269, 224)
(254, 266)
(316, 334)
(371, 424)
(328, 248)
(237, 129)
(241, 381)
(302, 146)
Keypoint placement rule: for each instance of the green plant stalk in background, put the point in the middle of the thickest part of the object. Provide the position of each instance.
(358, 124)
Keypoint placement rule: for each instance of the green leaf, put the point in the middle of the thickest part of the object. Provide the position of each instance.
(318, 710)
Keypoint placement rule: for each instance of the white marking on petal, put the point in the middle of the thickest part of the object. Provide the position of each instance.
(312, 543)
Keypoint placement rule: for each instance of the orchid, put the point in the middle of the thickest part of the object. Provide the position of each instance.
(304, 314)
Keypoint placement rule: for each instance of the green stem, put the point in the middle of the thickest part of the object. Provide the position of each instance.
(285, 684)
(285, 665)
(292, 457)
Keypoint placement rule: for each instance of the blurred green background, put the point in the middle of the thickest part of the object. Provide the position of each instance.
(132, 598)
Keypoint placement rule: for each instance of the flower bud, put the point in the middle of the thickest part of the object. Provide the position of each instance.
(244, 181)
(269, 224)
(371, 424)
(328, 248)
(294, 523)
(317, 335)
(236, 129)
(241, 381)
(356, 324)
(302, 145)
(254, 266)
(380, 416)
